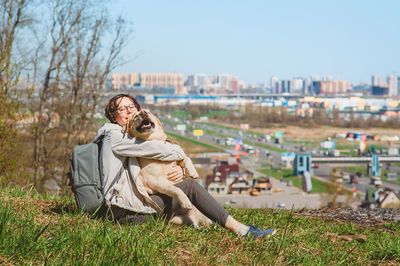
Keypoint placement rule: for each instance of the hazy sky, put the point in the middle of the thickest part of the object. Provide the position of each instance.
(348, 39)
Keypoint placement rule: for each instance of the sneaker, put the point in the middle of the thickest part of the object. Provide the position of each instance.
(254, 231)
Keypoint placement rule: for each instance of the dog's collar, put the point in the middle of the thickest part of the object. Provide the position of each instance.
(170, 141)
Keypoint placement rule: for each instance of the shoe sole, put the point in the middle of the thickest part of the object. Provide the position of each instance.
(273, 233)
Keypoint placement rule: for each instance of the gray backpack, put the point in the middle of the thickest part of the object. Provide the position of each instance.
(85, 177)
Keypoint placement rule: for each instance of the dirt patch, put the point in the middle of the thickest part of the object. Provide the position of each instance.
(294, 132)
(360, 216)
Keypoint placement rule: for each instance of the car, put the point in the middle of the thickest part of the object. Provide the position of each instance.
(254, 192)
(281, 204)
(346, 177)
(354, 179)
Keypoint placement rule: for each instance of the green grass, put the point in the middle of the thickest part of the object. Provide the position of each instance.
(355, 169)
(169, 122)
(221, 113)
(38, 229)
(196, 142)
(180, 114)
(265, 146)
(235, 129)
(349, 153)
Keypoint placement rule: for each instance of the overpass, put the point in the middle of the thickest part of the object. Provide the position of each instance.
(303, 162)
(344, 159)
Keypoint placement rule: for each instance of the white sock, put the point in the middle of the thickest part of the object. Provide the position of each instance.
(242, 230)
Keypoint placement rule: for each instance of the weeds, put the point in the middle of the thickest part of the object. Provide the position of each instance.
(56, 233)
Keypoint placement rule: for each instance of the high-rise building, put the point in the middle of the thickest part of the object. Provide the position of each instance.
(331, 87)
(392, 85)
(149, 80)
(285, 86)
(327, 78)
(377, 81)
(274, 85)
(379, 91)
(398, 86)
(197, 81)
(224, 82)
(120, 81)
(297, 86)
(315, 78)
(307, 86)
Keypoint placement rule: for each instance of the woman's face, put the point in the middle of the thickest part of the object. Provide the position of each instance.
(125, 109)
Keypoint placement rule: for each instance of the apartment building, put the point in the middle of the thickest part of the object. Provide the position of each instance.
(331, 87)
(149, 80)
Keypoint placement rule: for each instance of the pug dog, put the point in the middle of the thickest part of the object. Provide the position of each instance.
(144, 125)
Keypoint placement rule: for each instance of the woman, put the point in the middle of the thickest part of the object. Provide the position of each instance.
(127, 199)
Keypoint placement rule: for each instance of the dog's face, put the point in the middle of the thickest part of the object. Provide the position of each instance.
(144, 125)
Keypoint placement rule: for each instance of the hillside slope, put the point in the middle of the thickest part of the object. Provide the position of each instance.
(42, 229)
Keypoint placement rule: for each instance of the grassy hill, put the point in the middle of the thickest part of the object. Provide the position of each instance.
(40, 229)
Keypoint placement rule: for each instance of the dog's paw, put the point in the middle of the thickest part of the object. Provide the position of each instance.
(186, 204)
(193, 176)
(192, 173)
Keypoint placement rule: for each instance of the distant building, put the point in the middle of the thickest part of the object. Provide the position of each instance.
(216, 186)
(307, 86)
(327, 78)
(239, 186)
(398, 86)
(274, 84)
(121, 81)
(224, 83)
(331, 87)
(149, 80)
(215, 84)
(378, 197)
(197, 82)
(297, 86)
(392, 85)
(285, 86)
(379, 91)
(377, 81)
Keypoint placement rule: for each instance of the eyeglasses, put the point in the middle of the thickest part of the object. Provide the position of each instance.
(123, 109)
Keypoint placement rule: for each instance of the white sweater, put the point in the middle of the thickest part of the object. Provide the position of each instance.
(130, 193)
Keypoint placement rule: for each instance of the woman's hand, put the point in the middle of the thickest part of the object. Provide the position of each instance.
(176, 174)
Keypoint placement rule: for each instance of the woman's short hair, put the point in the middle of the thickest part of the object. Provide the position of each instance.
(112, 106)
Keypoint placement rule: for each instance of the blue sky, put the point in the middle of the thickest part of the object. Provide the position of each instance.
(255, 40)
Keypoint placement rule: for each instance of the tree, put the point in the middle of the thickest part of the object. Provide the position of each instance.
(13, 17)
(73, 67)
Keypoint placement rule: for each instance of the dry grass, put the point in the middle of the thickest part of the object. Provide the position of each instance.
(50, 230)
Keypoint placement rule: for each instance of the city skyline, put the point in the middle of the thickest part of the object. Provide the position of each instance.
(348, 40)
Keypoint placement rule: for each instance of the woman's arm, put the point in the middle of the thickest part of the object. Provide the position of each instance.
(154, 149)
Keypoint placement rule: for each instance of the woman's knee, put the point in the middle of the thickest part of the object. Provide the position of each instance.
(188, 186)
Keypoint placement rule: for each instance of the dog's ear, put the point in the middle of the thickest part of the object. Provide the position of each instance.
(126, 126)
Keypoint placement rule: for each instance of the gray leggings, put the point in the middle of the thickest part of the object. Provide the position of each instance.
(199, 197)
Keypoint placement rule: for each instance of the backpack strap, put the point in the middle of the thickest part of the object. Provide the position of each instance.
(100, 139)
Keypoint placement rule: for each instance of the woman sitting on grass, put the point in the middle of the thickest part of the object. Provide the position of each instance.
(127, 195)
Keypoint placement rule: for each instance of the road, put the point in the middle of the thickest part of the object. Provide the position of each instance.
(275, 156)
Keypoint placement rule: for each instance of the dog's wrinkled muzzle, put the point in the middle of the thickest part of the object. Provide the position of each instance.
(143, 122)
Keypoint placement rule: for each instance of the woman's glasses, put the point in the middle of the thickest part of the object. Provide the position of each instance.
(123, 109)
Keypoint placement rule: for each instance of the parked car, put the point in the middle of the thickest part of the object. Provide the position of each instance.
(354, 179)
(346, 177)
(281, 204)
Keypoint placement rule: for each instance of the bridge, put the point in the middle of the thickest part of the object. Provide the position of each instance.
(303, 162)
